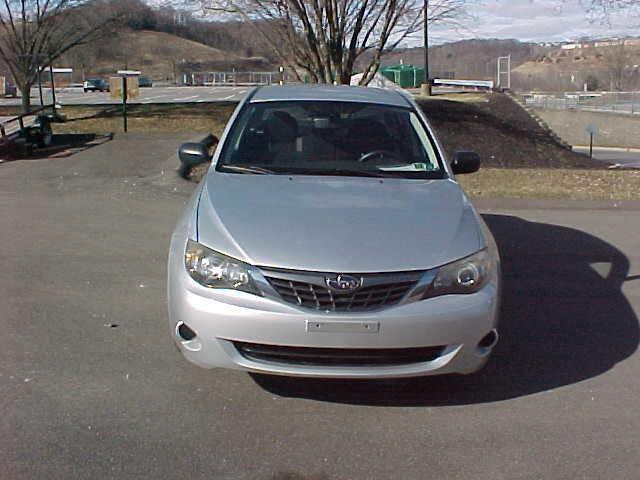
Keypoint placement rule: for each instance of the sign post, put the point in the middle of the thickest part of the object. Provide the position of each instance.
(592, 130)
(124, 102)
(124, 87)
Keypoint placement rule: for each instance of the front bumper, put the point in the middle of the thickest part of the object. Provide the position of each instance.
(223, 318)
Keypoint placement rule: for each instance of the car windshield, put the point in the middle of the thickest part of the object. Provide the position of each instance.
(329, 138)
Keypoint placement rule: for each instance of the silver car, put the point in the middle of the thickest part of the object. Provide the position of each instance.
(330, 238)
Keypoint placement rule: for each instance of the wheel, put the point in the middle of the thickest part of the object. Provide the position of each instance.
(45, 136)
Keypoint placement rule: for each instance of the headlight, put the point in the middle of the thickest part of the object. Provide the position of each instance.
(467, 275)
(215, 270)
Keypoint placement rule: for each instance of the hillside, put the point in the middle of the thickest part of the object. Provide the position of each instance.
(609, 67)
(467, 58)
(158, 55)
(164, 56)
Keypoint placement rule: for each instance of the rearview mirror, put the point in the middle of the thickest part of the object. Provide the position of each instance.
(192, 154)
(465, 162)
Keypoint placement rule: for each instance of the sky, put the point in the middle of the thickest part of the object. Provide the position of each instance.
(526, 20)
(538, 21)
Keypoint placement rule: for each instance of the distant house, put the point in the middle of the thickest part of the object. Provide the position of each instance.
(607, 43)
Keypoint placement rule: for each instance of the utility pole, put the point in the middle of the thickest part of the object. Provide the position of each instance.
(426, 86)
(53, 86)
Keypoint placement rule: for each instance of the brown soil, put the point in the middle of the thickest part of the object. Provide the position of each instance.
(502, 132)
(495, 126)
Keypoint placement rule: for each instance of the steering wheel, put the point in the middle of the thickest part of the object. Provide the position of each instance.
(376, 153)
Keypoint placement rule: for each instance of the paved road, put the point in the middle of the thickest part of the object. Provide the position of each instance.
(91, 386)
(628, 158)
(76, 96)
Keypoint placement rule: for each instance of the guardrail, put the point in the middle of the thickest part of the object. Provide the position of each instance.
(611, 102)
(230, 78)
(464, 83)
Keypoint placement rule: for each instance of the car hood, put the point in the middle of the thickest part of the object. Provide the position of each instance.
(337, 224)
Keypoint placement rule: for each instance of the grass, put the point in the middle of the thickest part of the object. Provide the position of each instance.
(530, 183)
(553, 183)
(146, 119)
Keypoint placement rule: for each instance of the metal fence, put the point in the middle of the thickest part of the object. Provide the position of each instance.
(612, 102)
(230, 78)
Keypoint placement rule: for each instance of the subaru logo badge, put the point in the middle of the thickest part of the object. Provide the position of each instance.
(343, 283)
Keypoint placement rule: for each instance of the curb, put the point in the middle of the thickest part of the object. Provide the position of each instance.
(609, 149)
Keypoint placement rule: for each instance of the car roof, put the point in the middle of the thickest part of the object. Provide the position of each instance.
(330, 93)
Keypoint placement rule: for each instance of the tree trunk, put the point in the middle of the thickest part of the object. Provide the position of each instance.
(25, 92)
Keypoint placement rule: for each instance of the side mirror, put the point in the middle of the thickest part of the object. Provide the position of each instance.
(192, 154)
(465, 162)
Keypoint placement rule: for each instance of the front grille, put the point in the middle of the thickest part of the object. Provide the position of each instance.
(337, 357)
(309, 290)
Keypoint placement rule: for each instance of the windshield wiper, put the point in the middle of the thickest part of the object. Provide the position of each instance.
(246, 169)
(340, 172)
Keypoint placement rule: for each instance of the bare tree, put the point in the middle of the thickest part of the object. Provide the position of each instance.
(323, 39)
(34, 33)
(603, 10)
(616, 58)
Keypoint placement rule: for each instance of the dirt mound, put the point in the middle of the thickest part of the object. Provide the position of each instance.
(501, 132)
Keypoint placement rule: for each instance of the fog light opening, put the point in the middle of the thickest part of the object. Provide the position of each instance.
(183, 330)
(489, 340)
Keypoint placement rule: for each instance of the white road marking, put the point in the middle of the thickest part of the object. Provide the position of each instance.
(153, 97)
(156, 95)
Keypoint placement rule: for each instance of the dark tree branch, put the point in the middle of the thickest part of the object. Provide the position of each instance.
(327, 38)
(34, 33)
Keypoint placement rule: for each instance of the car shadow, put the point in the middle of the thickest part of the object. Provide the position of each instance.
(564, 319)
(62, 145)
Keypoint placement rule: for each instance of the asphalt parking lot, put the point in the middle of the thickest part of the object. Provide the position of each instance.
(76, 96)
(184, 94)
(91, 386)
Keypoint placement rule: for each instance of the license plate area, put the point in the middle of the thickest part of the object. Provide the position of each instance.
(337, 326)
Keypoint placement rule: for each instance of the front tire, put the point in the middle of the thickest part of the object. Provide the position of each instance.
(45, 135)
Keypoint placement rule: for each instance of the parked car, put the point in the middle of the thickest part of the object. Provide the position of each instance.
(95, 85)
(330, 238)
(10, 90)
(144, 82)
